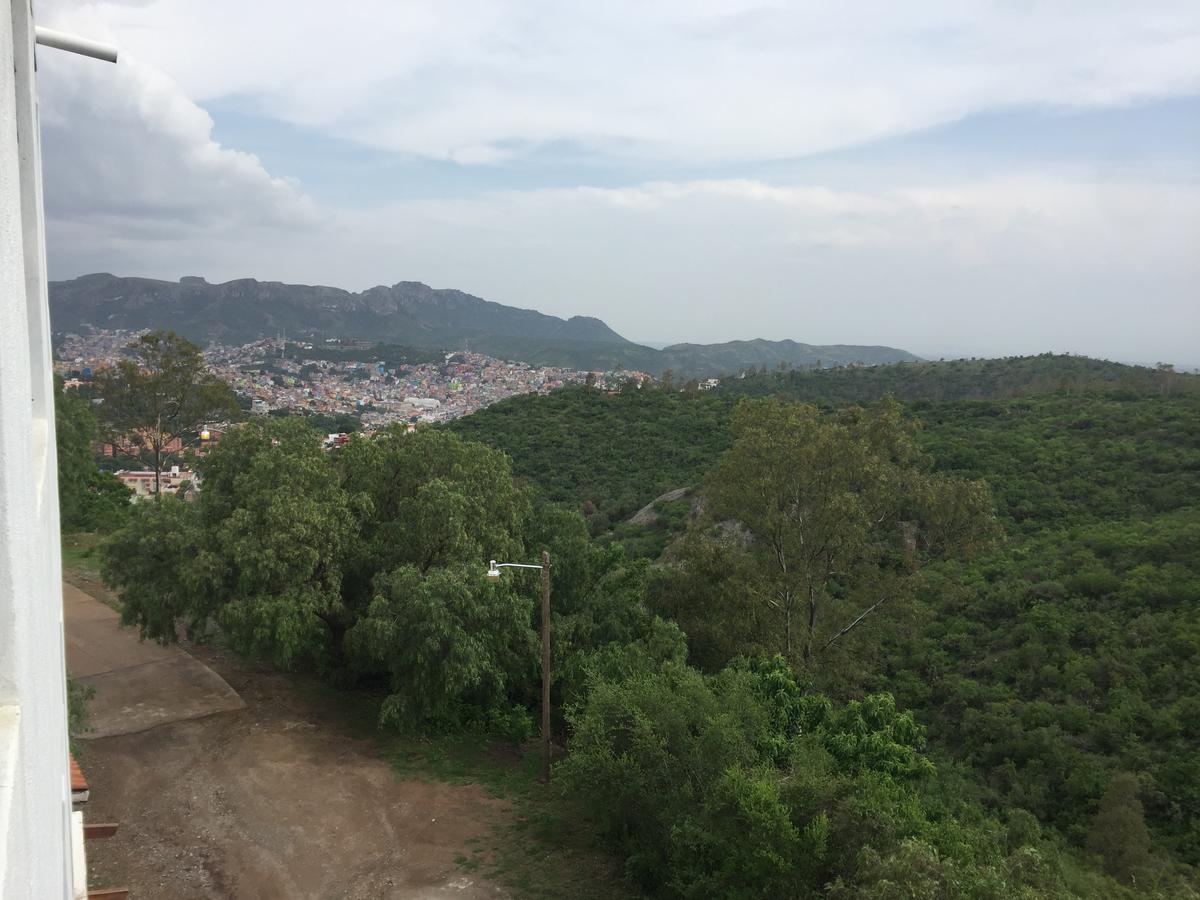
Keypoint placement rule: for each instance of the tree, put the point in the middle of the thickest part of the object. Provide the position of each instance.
(152, 560)
(259, 553)
(363, 564)
(432, 500)
(87, 497)
(704, 592)
(1118, 835)
(741, 784)
(278, 525)
(163, 392)
(450, 642)
(831, 516)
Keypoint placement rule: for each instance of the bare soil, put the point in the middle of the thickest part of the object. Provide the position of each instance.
(282, 799)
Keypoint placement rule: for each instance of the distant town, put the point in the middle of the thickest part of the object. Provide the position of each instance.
(344, 377)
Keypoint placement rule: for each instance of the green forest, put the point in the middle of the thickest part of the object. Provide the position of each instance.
(921, 630)
(1059, 660)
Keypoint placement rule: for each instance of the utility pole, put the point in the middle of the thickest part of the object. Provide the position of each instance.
(493, 574)
(546, 666)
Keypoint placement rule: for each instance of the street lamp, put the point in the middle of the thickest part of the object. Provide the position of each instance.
(493, 574)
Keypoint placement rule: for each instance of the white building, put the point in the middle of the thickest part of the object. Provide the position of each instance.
(423, 402)
(41, 840)
(141, 482)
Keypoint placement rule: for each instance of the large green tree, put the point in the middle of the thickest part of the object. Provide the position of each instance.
(258, 554)
(434, 500)
(161, 393)
(87, 497)
(364, 563)
(818, 521)
(434, 510)
(452, 643)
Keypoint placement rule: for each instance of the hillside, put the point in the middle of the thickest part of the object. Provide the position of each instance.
(965, 379)
(607, 456)
(698, 360)
(245, 310)
(412, 314)
(612, 455)
(1044, 668)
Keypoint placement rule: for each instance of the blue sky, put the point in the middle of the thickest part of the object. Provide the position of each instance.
(949, 177)
(1153, 139)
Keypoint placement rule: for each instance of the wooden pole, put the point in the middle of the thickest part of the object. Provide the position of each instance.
(546, 665)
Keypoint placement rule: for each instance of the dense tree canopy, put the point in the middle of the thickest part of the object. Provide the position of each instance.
(1045, 667)
(606, 455)
(367, 564)
(743, 784)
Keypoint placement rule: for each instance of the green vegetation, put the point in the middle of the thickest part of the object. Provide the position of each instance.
(607, 456)
(949, 649)
(814, 525)
(79, 695)
(744, 784)
(1046, 668)
(88, 499)
(967, 379)
(838, 510)
(323, 423)
(1119, 836)
(1068, 659)
(367, 565)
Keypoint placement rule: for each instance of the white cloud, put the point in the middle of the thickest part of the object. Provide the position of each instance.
(1025, 262)
(129, 152)
(682, 80)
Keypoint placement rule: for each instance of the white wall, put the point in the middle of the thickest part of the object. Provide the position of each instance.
(35, 796)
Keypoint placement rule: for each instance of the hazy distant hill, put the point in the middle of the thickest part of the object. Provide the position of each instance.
(412, 314)
(967, 379)
(690, 360)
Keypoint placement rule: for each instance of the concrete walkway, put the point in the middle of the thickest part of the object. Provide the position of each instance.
(138, 684)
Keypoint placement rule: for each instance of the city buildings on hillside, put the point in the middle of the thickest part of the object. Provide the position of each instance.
(270, 375)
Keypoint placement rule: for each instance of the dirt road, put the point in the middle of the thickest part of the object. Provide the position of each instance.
(274, 800)
(137, 684)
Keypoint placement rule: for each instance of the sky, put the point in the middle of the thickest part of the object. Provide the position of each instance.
(953, 178)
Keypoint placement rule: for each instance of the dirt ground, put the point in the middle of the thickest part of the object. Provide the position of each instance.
(276, 800)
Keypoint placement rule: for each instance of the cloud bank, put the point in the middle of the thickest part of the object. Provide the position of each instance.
(1011, 260)
(684, 80)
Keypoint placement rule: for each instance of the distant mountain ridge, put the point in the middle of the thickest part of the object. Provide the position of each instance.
(413, 314)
